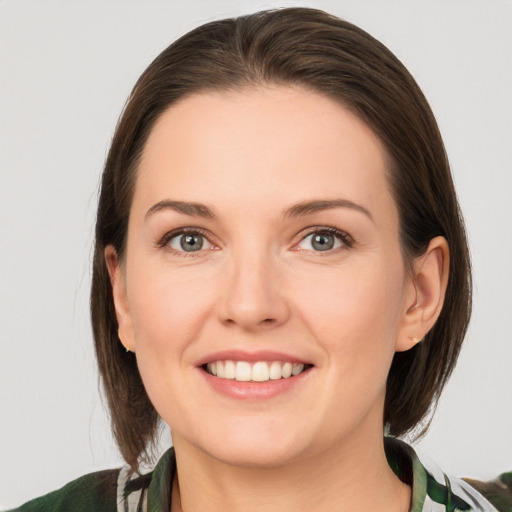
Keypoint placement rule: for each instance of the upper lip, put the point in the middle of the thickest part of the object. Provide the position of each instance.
(250, 357)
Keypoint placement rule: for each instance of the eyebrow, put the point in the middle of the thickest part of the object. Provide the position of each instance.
(192, 209)
(315, 206)
(297, 210)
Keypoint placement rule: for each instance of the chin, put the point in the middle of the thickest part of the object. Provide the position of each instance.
(255, 456)
(252, 446)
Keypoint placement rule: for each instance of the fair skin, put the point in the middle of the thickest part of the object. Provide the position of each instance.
(292, 256)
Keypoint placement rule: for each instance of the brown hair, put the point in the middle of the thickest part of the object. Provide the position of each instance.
(312, 49)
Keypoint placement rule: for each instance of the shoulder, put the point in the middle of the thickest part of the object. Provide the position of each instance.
(498, 492)
(112, 490)
(432, 489)
(95, 491)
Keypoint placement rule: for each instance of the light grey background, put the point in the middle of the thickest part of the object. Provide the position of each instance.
(66, 68)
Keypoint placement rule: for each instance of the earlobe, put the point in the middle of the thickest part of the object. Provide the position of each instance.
(428, 289)
(117, 280)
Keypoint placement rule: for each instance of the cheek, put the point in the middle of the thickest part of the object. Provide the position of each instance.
(356, 315)
(167, 308)
(169, 312)
(357, 325)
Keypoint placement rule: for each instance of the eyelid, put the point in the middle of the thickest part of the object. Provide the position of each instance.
(188, 230)
(346, 239)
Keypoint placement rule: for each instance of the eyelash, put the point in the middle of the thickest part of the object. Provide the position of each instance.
(164, 241)
(346, 239)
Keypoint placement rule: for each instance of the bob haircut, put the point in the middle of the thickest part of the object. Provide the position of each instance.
(311, 49)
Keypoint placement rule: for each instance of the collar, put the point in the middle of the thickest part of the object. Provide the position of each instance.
(432, 490)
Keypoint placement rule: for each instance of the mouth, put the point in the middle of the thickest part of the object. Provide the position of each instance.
(258, 371)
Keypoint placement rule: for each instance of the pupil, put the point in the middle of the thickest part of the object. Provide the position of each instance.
(322, 242)
(191, 243)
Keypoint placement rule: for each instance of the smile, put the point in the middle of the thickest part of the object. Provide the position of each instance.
(260, 371)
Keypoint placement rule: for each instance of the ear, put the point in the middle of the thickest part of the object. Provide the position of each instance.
(425, 294)
(118, 282)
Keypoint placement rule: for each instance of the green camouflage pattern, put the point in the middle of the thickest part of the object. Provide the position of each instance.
(123, 491)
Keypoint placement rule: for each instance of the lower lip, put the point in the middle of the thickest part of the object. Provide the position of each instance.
(254, 390)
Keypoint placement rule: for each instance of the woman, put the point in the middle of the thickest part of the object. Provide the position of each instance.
(280, 274)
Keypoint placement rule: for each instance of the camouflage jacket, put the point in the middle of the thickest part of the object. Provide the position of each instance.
(122, 491)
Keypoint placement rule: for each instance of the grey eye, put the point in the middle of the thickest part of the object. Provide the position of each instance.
(320, 241)
(188, 242)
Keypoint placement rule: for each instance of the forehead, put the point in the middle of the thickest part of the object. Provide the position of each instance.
(283, 142)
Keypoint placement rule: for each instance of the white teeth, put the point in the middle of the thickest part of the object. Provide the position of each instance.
(212, 368)
(287, 370)
(260, 371)
(275, 370)
(243, 371)
(297, 368)
(229, 370)
(220, 370)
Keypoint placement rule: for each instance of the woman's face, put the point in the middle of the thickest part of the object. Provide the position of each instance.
(263, 239)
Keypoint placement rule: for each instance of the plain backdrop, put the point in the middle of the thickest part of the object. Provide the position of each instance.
(66, 68)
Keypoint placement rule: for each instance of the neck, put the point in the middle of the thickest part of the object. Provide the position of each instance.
(355, 477)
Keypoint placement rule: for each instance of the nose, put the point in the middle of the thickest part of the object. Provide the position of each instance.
(253, 295)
